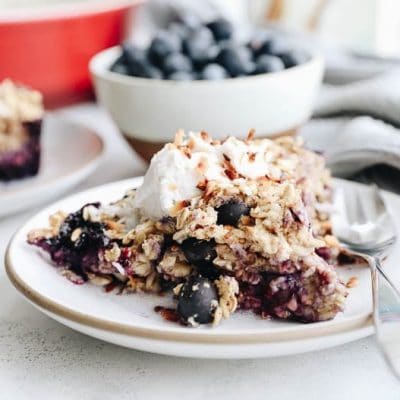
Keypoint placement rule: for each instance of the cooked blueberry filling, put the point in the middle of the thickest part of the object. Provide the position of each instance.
(78, 243)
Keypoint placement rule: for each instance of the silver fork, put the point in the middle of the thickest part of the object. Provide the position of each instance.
(365, 227)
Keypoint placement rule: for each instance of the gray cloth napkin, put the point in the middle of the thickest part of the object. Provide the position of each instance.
(357, 127)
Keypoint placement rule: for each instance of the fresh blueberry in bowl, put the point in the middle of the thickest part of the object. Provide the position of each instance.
(178, 29)
(153, 72)
(132, 53)
(212, 53)
(197, 300)
(189, 20)
(163, 44)
(214, 72)
(176, 62)
(136, 63)
(131, 57)
(144, 69)
(197, 44)
(119, 67)
(189, 49)
(267, 63)
(221, 28)
(181, 76)
(293, 58)
(235, 60)
(272, 46)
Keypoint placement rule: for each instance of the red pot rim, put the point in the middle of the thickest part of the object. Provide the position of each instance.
(63, 11)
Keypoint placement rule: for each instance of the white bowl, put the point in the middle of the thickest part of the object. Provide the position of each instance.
(149, 111)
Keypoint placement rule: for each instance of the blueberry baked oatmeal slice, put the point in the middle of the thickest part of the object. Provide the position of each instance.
(21, 113)
(224, 225)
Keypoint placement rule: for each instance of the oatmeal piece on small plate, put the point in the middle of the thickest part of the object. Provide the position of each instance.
(21, 113)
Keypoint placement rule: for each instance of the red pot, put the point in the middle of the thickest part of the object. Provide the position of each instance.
(48, 48)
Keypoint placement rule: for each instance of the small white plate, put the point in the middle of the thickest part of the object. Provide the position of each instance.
(70, 152)
(129, 320)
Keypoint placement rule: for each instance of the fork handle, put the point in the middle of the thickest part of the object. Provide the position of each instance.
(386, 299)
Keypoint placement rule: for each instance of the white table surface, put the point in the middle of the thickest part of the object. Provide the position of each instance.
(41, 359)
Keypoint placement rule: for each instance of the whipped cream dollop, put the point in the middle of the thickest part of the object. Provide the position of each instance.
(176, 171)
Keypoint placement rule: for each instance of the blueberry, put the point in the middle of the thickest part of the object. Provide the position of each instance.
(201, 254)
(181, 76)
(272, 46)
(266, 63)
(80, 253)
(197, 251)
(138, 68)
(178, 29)
(230, 213)
(152, 72)
(137, 64)
(244, 51)
(92, 233)
(197, 44)
(163, 44)
(144, 69)
(257, 40)
(214, 72)
(120, 69)
(189, 19)
(221, 28)
(197, 300)
(82, 242)
(235, 60)
(176, 62)
(254, 47)
(91, 237)
(72, 221)
(132, 53)
(293, 58)
(212, 53)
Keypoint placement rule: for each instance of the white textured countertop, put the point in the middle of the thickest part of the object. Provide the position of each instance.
(41, 359)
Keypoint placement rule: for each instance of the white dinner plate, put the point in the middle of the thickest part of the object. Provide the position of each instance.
(129, 320)
(70, 152)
